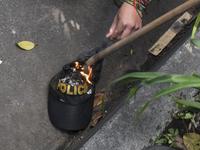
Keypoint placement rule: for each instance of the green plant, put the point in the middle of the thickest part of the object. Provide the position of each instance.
(148, 78)
(184, 115)
(168, 138)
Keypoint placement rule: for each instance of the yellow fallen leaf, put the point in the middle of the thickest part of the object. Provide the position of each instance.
(98, 99)
(131, 52)
(192, 141)
(26, 45)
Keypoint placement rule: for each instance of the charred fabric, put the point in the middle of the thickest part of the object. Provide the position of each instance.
(78, 78)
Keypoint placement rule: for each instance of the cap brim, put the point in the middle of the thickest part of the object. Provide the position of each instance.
(69, 117)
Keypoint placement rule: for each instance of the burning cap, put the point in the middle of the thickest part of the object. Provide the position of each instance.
(71, 94)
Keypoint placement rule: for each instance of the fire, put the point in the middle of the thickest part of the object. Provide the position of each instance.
(77, 65)
(87, 76)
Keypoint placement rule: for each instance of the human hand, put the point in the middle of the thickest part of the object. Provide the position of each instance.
(125, 22)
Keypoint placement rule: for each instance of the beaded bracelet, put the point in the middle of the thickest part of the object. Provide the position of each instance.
(139, 4)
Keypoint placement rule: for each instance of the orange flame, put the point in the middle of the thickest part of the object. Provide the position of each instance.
(77, 65)
(87, 76)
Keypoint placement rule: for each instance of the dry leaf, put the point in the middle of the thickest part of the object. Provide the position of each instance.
(96, 118)
(179, 142)
(192, 141)
(26, 45)
(98, 99)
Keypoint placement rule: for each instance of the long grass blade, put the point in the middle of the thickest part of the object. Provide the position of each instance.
(131, 93)
(125, 81)
(172, 78)
(175, 87)
(196, 42)
(195, 75)
(189, 103)
(195, 26)
(190, 108)
(139, 75)
(141, 111)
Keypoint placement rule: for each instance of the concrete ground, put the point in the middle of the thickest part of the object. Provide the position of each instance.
(63, 30)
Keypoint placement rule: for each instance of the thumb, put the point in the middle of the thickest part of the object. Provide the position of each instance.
(112, 28)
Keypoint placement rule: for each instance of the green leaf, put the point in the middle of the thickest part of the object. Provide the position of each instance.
(171, 130)
(172, 138)
(131, 93)
(195, 75)
(170, 135)
(161, 141)
(197, 98)
(195, 26)
(196, 42)
(176, 133)
(157, 134)
(170, 141)
(179, 106)
(188, 116)
(172, 78)
(173, 145)
(190, 108)
(167, 137)
(175, 87)
(141, 110)
(26, 45)
(192, 121)
(125, 81)
(140, 75)
(189, 103)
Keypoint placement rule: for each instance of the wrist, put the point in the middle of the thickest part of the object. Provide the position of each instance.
(139, 4)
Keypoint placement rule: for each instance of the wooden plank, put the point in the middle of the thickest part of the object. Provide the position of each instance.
(170, 34)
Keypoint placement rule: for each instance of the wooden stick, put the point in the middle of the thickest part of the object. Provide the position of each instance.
(159, 21)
